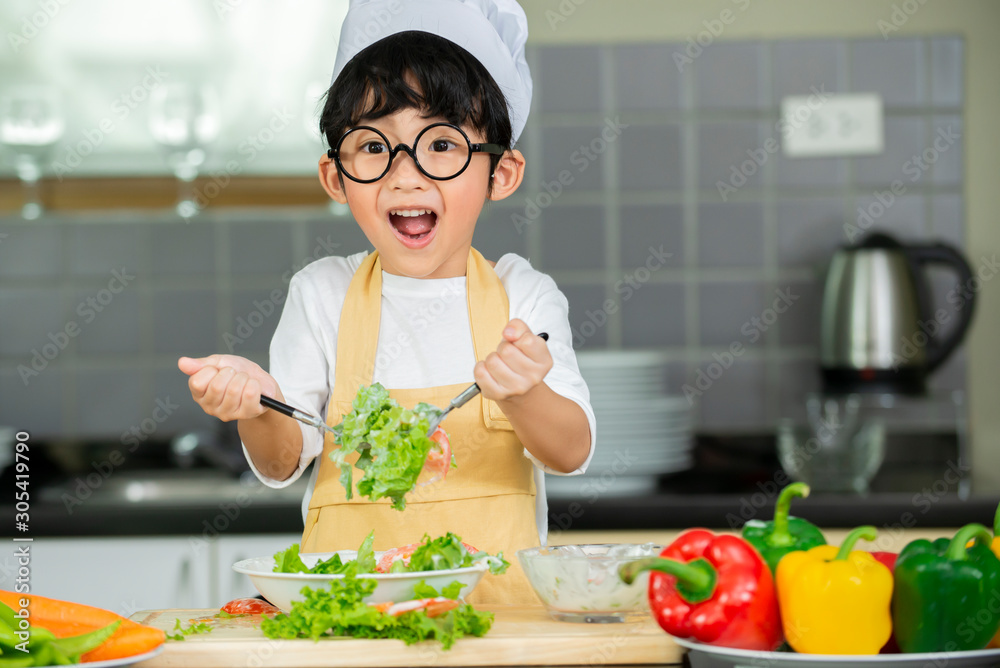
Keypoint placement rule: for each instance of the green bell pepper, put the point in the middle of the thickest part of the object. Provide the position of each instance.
(783, 534)
(943, 591)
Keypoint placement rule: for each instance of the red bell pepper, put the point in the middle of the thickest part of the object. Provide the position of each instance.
(888, 559)
(714, 589)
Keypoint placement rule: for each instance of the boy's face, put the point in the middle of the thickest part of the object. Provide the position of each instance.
(435, 243)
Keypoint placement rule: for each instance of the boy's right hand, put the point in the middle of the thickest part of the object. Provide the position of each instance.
(228, 386)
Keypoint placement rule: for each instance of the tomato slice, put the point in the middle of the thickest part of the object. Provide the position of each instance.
(439, 458)
(249, 606)
(433, 606)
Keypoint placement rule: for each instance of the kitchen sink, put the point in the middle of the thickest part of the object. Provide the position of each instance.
(172, 487)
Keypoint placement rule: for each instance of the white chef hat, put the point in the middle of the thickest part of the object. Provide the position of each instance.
(494, 31)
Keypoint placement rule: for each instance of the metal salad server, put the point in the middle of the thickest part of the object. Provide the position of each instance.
(461, 399)
(314, 421)
(295, 413)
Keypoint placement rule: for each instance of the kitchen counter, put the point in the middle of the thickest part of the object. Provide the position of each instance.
(520, 636)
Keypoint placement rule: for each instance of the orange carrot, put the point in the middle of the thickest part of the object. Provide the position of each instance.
(54, 610)
(127, 642)
(62, 629)
(65, 619)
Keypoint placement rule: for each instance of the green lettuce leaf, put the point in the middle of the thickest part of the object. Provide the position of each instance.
(398, 445)
(340, 611)
(448, 552)
(289, 561)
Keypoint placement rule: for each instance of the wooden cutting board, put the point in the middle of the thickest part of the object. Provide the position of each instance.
(520, 636)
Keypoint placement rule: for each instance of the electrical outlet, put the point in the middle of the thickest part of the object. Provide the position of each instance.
(832, 125)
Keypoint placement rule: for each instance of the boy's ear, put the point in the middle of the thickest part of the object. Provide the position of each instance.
(330, 178)
(508, 174)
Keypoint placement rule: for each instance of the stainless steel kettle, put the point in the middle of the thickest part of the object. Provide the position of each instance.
(879, 330)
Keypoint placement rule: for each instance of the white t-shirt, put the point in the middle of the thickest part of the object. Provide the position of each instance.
(425, 340)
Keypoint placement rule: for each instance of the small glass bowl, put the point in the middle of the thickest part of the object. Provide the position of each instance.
(580, 583)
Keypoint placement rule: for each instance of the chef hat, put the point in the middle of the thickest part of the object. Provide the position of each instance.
(494, 31)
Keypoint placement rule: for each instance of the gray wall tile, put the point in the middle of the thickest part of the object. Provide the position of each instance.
(31, 251)
(731, 234)
(30, 316)
(255, 316)
(588, 333)
(182, 249)
(569, 148)
(809, 230)
(651, 158)
(725, 308)
(260, 248)
(643, 226)
(824, 172)
(568, 78)
(904, 138)
(108, 402)
(948, 219)
(801, 65)
(729, 76)
(799, 324)
(722, 147)
(113, 329)
(37, 408)
(498, 233)
(947, 86)
(184, 322)
(946, 150)
(345, 235)
(171, 386)
(905, 218)
(573, 238)
(97, 249)
(894, 68)
(736, 400)
(646, 78)
(653, 316)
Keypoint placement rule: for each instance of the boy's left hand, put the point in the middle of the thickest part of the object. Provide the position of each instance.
(519, 364)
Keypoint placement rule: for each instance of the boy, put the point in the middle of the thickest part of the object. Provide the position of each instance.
(421, 134)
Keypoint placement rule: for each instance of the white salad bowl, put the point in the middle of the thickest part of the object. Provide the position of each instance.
(283, 588)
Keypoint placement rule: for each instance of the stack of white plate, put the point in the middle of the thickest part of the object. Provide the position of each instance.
(642, 431)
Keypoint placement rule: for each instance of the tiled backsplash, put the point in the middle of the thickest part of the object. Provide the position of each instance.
(625, 150)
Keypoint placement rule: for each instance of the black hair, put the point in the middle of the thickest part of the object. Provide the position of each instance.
(416, 69)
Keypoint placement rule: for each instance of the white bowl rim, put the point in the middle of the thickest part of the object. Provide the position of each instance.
(244, 568)
(530, 552)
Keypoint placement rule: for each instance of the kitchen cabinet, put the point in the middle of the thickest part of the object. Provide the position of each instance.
(130, 574)
(227, 584)
(122, 574)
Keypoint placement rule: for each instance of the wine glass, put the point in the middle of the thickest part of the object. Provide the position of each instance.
(184, 119)
(31, 123)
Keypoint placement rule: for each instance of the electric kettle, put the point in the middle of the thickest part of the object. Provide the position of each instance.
(879, 329)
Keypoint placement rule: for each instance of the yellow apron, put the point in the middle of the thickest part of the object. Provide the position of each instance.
(489, 500)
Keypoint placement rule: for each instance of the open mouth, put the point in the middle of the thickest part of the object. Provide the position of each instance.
(414, 227)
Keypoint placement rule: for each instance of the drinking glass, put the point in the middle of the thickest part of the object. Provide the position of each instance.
(839, 448)
(31, 123)
(184, 119)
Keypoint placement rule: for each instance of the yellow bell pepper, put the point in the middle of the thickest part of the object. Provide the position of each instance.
(835, 601)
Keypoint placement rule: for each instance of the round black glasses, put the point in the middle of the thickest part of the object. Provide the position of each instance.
(441, 151)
